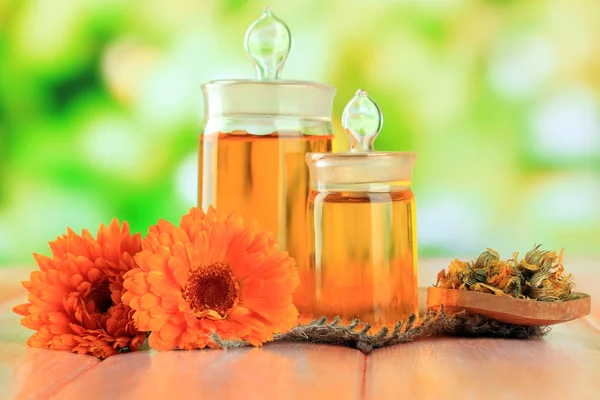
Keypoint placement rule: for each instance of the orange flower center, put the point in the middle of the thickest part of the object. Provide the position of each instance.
(211, 287)
(100, 295)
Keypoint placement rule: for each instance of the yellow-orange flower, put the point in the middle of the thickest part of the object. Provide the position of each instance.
(210, 274)
(75, 298)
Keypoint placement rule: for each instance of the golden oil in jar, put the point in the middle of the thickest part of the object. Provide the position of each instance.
(263, 178)
(363, 261)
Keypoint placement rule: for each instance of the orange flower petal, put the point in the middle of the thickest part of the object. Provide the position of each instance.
(149, 300)
(160, 284)
(171, 331)
(21, 309)
(158, 344)
(179, 271)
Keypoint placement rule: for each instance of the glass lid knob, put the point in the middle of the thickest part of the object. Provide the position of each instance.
(268, 41)
(362, 120)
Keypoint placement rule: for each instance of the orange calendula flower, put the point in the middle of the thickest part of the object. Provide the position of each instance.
(75, 298)
(208, 275)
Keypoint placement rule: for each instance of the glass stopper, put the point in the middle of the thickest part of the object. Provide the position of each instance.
(268, 41)
(362, 120)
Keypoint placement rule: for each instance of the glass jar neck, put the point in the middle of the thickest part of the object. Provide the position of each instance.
(268, 125)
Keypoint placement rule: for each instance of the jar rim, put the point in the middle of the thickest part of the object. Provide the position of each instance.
(279, 82)
(371, 155)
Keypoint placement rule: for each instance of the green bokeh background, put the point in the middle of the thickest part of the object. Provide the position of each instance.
(100, 107)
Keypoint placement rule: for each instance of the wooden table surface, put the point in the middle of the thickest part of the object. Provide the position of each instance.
(565, 364)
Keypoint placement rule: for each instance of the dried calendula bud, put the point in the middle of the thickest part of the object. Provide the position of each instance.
(538, 276)
(531, 267)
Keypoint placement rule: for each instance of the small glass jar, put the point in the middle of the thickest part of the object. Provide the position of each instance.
(256, 135)
(361, 214)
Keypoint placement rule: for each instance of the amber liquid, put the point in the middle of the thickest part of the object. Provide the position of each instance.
(263, 178)
(363, 257)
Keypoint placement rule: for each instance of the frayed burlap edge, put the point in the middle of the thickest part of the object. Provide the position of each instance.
(432, 324)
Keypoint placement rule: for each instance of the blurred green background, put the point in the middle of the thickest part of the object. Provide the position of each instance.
(100, 107)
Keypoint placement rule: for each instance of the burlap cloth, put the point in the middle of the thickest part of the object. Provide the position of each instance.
(431, 324)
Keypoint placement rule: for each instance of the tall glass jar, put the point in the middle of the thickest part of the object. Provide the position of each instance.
(362, 224)
(256, 135)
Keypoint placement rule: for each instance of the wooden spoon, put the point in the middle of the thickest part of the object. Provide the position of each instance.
(509, 309)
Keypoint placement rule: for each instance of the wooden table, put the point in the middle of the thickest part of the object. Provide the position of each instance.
(565, 364)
